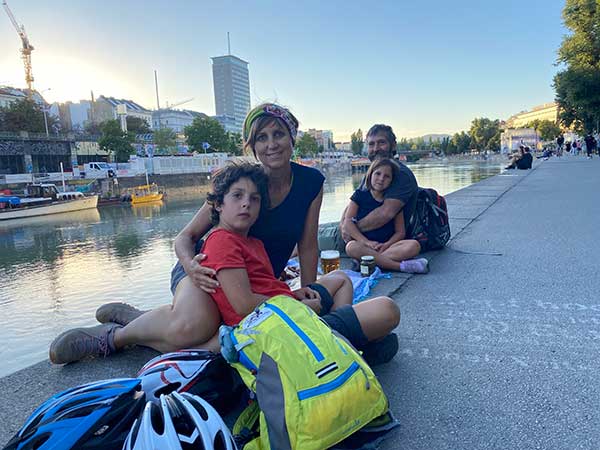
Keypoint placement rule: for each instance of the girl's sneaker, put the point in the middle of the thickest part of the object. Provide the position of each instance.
(418, 265)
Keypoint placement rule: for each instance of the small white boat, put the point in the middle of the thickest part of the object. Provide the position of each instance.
(49, 201)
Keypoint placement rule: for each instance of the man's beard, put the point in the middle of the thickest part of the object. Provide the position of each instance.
(379, 154)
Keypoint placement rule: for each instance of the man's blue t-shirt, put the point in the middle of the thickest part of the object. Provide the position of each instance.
(281, 228)
(367, 203)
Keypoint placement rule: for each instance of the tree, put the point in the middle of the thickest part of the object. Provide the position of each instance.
(137, 125)
(25, 115)
(357, 142)
(547, 129)
(234, 144)
(307, 146)
(115, 141)
(460, 142)
(164, 140)
(578, 97)
(206, 129)
(578, 86)
(485, 134)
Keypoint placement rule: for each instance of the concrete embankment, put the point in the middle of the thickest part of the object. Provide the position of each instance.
(498, 343)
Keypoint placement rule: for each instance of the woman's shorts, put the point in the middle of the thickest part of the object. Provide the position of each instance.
(178, 272)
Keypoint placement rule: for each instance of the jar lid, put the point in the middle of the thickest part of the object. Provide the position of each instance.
(367, 258)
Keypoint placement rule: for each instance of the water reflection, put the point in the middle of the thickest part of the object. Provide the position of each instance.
(55, 270)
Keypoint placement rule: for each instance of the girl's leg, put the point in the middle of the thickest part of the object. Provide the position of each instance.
(356, 250)
(192, 320)
(402, 250)
(339, 287)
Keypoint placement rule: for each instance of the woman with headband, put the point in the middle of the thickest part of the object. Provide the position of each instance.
(295, 196)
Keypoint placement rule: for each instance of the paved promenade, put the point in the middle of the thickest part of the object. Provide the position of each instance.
(499, 342)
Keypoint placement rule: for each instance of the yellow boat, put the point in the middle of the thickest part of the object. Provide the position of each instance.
(146, 193)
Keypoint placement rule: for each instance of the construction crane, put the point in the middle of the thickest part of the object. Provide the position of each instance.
(179, 103)
(25, 50)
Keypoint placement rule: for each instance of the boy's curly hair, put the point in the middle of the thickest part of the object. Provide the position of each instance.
(231, 173)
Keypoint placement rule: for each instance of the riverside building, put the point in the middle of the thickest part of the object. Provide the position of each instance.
(231, 83)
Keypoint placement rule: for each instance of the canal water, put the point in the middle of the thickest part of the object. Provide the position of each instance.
(56, 270)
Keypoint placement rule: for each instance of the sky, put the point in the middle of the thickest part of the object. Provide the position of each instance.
(423, 67)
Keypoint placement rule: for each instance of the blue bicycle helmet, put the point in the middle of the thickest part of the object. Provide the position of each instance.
(93, 416)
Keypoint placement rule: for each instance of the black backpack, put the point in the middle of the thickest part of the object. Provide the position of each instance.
(429, 223)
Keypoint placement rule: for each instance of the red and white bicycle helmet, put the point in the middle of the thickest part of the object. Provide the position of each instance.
(179, 422)
(195, 371)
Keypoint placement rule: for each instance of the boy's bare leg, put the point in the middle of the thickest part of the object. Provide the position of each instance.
(378, 317)
(339, 286)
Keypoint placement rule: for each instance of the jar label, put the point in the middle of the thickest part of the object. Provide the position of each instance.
(364, 270)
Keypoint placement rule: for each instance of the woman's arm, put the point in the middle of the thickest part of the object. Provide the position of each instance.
(185, 244)
(238, 291)
(308, 247)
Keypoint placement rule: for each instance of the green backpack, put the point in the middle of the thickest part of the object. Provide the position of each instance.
(312, 387)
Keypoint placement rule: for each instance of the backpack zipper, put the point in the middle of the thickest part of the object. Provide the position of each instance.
(296, 329)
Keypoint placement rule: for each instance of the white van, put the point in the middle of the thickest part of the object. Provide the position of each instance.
(97, 170)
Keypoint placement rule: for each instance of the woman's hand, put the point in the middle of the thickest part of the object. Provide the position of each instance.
(306, 293)
(203, 277)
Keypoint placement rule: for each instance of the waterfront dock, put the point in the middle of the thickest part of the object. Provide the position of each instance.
(498, 343)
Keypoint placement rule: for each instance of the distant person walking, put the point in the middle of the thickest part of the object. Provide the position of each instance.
(560, 140)
(590, 145)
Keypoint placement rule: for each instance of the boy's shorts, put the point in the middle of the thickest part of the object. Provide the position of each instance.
(343, 320)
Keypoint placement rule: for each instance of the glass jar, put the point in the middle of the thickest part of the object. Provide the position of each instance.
(367, 265)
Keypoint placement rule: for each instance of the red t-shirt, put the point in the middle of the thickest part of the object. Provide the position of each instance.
(227, 250)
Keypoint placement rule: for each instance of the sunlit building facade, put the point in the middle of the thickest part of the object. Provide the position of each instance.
(547, 111)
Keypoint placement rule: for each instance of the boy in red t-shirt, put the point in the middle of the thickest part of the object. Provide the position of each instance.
(246, 278)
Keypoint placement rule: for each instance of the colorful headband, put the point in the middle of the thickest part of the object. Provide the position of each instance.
(272, 110)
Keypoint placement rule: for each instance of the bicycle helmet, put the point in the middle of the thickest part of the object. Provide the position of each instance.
(179, 422)
(198, 372)
(92, 416)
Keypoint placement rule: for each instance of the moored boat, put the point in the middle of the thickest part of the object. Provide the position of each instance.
(146, 193)
(47, 200)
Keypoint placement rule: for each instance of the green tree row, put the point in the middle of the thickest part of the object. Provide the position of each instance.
(577, 86)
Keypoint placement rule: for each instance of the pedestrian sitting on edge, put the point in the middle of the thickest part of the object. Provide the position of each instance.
(387, 244)
(400, 198)
(192, 319)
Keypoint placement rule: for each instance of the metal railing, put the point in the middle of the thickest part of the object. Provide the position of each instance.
(28, 136)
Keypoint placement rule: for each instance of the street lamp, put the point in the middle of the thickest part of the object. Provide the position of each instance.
(45, 111)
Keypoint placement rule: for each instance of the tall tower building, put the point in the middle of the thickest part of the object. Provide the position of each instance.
(232, 89)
